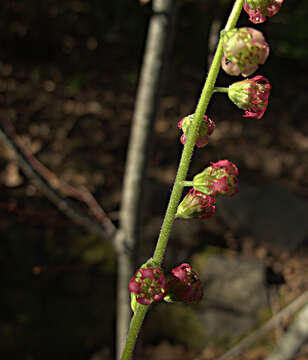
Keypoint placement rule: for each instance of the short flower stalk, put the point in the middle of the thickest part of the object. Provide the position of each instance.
(250, 95)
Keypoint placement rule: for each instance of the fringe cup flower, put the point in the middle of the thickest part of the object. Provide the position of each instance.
(220, 178)
(206, 129)
(148, 285)
(258, 10)
(251, 95)
(244, 49)
(185, 285)
(196, 205)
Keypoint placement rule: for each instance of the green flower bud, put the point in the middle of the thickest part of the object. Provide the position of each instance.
(244, 49)
(219, 178)
(251, 95)
(206, 129)
(196, 205)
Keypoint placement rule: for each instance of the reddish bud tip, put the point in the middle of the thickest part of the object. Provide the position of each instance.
(259, 10)
(184, 284)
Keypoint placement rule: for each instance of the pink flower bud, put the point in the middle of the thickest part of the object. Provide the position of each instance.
(220, 178)
(244, 49)
(206, 129)
(258, 10)
(185, 285)
(251, 95)
(148, 284)
(196, 205)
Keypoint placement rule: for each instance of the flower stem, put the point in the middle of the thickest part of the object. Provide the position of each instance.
(186, 183)
(191, 138)
(220, 89)
(162, 241)
(133, 331)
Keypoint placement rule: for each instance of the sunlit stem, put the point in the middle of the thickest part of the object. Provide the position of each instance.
(161, 245)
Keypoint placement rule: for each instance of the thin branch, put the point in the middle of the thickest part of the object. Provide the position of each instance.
(146, 105)
(291, 343)
(56, 189)
(269, 325)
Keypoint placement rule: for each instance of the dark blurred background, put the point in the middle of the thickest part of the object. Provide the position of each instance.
(68, 78)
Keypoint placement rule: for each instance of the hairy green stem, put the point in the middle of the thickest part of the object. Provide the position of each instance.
(161, 245)
(133, 331)
(191, 138)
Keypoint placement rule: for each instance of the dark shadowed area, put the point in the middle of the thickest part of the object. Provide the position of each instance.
(68, 77)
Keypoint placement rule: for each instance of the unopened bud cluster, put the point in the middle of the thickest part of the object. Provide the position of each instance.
(244, 49)
(220, 178)
(150, 285)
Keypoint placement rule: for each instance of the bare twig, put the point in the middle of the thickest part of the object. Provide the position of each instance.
(269, 325)
(293, 340)
(145, 111)
(56, 189)
(274, 302)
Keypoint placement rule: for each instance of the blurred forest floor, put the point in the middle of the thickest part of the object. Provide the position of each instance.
(68, 87)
